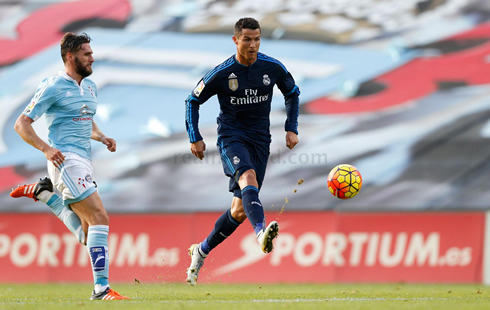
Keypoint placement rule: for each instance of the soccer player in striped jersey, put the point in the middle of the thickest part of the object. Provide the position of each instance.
(69, 103)
(244, 84)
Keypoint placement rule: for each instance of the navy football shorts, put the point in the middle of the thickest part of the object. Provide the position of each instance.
(238, 156)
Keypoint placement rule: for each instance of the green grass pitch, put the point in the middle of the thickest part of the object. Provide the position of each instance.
(248, 296)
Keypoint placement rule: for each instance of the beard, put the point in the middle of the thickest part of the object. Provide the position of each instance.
(80, 69)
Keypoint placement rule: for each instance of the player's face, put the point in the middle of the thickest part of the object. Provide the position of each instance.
(84, 60)
(248, 43)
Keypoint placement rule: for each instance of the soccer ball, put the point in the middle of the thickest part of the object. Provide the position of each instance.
(344, 181)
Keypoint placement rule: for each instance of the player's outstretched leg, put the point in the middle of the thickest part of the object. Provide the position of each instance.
(43, 191)
(197, 260)
(255, 213)
(223, 228)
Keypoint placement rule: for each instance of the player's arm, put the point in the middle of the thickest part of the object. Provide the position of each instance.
(192, 125)
(23, 126)
(292, 112)
(43, 99)
(288, 87)
(98, 135)
(200, 94)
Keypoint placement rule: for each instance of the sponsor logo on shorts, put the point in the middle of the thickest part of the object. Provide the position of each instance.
(88, 178)
(236, 160)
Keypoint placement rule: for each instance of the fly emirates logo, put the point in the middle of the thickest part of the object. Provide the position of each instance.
(367, 249)
(251, 97)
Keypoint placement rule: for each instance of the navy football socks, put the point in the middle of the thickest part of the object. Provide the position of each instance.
(223, 228)
(253, 208)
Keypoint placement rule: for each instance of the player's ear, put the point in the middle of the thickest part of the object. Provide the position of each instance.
(69, 56)
(235, 39)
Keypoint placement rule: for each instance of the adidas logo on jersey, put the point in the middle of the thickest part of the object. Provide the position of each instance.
(69, 94)
(233, 82)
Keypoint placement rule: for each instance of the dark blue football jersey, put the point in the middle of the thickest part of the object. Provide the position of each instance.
(245, 95)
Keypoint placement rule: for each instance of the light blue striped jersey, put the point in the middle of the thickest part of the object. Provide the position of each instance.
(69, 109)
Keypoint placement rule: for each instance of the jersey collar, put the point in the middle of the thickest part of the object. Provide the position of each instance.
(70, 79)
(236, 60)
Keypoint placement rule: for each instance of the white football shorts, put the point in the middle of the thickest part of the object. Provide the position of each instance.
(74, 179)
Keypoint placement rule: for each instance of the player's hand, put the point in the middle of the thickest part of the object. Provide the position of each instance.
(291, 139)
(110, 143)
(55, 156)
(198, 148)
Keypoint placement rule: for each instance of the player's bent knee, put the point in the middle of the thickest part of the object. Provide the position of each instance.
(248, 178)
(103, 219)
(99, 217)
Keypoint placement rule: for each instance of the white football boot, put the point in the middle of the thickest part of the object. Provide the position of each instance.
(197, 260)
(266, 236)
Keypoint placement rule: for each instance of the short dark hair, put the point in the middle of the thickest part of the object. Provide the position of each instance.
(72, 43)
(246, 23)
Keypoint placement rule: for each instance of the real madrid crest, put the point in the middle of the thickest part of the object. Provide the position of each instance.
(233, 82)
(266, 79)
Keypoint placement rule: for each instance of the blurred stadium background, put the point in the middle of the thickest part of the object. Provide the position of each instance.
(400, 89)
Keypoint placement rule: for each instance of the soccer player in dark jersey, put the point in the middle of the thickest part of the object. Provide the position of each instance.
(244, 84)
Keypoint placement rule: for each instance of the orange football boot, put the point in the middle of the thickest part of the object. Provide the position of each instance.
(32, 190)
(108, 294)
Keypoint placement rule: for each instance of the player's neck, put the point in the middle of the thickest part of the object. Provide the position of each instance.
(77, 77)
(244, 61)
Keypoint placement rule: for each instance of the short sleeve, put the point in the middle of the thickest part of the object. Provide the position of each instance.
(42, 100)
